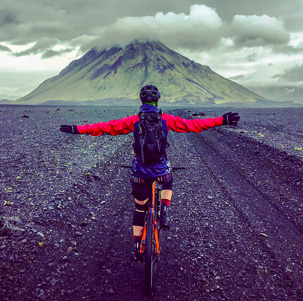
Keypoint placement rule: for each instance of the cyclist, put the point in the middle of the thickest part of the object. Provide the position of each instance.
(144, 173)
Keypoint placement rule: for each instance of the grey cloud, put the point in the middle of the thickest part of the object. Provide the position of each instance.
(290, 11)
(88, 24)
(238, 77)
(5, 48)
(293, 75)
(252, 31)
(36, 22)
(52, 53)
(286, 49)
(198, 28)
(45, 47)
(14, 84)
(66, 20)
(40, 46)
(251, 58)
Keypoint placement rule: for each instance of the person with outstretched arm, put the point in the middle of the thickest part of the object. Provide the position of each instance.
(150, 127)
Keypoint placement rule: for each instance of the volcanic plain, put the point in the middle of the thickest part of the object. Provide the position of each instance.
(66, 208)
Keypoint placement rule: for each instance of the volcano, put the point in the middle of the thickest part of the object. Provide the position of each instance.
(114, 77)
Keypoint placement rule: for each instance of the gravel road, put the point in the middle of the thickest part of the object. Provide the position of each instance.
(66, 209)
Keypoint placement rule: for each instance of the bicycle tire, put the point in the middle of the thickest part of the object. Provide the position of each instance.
(149, 255)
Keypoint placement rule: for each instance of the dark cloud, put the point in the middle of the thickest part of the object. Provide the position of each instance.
(68, 19)
(7, 18)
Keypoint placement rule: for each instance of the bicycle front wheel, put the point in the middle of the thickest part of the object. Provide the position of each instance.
(149, 255)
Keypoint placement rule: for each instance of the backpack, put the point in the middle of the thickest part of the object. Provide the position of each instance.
(150, 139)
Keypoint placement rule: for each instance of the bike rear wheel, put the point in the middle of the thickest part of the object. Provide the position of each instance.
(149, 255)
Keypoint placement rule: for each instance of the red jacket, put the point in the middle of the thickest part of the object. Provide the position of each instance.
(130, 124)
(126, 125)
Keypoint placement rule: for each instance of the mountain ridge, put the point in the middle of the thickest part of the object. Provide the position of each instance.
(120, 72)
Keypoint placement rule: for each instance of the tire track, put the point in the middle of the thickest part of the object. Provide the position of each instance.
(258, 209)
(236, 227)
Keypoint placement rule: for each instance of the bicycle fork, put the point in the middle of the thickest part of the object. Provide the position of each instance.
(157, 245)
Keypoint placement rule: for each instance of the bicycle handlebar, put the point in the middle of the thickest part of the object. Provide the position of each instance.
(173, 168)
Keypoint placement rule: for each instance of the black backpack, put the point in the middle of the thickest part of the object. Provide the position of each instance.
(150, 139)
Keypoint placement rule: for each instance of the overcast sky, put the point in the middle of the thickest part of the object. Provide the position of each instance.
(256, 43)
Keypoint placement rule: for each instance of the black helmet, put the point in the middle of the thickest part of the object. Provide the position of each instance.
(149, 93)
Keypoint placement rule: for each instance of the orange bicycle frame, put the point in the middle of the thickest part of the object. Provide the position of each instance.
(151, 209)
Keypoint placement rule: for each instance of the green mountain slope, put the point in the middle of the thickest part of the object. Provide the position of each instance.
(119, 73)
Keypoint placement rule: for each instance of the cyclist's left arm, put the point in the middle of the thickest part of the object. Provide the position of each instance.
(181, 125)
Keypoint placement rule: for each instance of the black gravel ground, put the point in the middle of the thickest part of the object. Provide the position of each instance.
(66, 209)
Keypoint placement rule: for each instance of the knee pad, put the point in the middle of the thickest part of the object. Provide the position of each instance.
(140, 207)
(139, 214)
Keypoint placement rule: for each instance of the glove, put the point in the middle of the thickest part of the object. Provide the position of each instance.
(70, 129)
(230, 118)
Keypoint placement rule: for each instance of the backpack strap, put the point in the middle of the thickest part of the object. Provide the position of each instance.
(140, 139)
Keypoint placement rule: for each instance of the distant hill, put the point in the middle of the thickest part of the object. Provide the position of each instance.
(290, 94)
(115, 76)
(6, 102)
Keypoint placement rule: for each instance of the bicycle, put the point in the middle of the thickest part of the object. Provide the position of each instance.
(150, 243)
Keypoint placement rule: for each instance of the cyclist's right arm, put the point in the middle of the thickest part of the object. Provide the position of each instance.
(113, 127)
